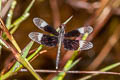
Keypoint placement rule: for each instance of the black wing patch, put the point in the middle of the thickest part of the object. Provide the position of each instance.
(77, 32)
(75, 44)
(41, 24)
(49, 40)
(73, 33)
(71, 44)
(51, 30)
(43, 39)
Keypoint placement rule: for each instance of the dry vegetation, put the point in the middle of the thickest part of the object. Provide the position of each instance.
(20, 59)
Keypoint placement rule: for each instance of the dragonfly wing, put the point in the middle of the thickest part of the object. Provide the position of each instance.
(43, 39)
(71, 44)
(49, 40)
(73, 33)
(77, 32)
(43, 25)
(87, 29)
(84, 45)
(75, 44)
(36, 36)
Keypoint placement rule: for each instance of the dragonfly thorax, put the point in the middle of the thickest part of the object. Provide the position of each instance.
(61, 33)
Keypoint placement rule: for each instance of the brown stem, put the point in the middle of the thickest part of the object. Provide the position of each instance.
(55, 12)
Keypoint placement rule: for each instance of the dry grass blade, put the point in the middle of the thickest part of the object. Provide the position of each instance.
(73, 72)
(16, 52)
(6, 8)
(106, 49)
(10, 37)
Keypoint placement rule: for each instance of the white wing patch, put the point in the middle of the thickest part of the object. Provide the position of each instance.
(40, 23)
(81, 43)
(84, 45)
(81, 30)
(43, 24)
(88, 29)
(36, 36)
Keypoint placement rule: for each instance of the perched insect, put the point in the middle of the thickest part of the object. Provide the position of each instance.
(60, 37)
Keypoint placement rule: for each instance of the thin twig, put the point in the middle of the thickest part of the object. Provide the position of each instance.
(103, 70)
(10, 72)
(41, 52)
(23, 17)
(10, 14)
(16, 52)
(10, 37)
(9, 18)
(72, 72)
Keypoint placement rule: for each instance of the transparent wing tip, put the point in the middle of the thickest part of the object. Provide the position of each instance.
(89, 29)
(32, 35)
(35, 36)
(40, 23)
(36, 19)
(87, 45)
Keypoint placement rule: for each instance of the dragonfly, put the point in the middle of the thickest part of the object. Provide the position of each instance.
(60, 37)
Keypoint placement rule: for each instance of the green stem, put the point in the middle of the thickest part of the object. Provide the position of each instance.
(24, 16)
(12, 71)
(19, 20)
(103, 70)
(10, 14)
(29, 7)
